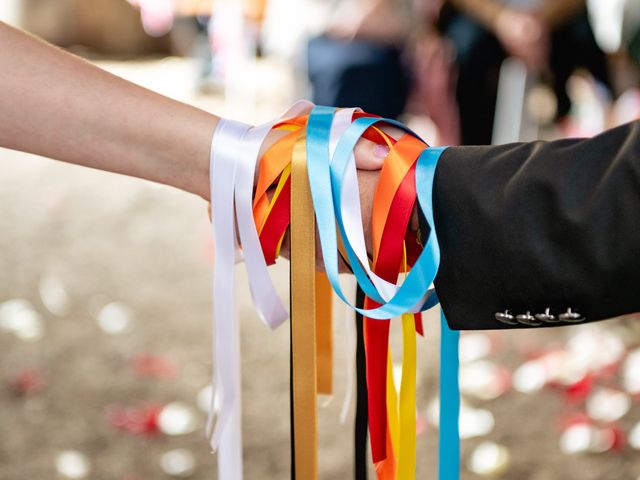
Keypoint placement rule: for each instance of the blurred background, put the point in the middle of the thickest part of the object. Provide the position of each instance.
(105, 280)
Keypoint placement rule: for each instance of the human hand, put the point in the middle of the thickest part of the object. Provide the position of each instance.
(524, 35)
(369, 157)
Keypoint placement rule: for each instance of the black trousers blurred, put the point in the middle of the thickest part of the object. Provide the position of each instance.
(479, 56)
(357, 73)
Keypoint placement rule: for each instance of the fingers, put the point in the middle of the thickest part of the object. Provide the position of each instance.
(370, 155)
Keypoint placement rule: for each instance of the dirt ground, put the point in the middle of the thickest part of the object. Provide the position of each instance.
(109, 238)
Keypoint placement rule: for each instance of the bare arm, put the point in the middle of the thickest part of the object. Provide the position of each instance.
(484, 11)
(57, 105)
(554, 12)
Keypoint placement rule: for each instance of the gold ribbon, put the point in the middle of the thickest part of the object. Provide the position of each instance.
(324, 334)
(303, 326)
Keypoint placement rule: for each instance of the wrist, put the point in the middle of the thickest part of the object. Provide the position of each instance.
(193, 173)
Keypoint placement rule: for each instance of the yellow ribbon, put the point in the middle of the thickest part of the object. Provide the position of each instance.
(303, 326)
(401, 413)
(407, 405)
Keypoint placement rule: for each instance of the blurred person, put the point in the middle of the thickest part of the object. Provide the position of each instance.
(382, 56)
(550, 36)
(358, 60)
(215, 32)
(434, 76)
(527, 247)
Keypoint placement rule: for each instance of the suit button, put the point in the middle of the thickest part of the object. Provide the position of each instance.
(528, 319)
(506, 317)
(547, 317)
(571, 316)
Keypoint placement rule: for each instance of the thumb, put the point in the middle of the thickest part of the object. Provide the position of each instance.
(370, 155)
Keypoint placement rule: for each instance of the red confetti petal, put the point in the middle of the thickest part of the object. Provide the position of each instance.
(154, 366)
(28, 381)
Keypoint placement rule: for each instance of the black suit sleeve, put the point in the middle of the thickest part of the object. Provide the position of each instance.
(536, 226)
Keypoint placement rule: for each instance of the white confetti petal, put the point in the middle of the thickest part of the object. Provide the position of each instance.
(178, 463)
(474, 346)
(115, 318)
(631, 378)
(489, 460)
(53, 295)
(73, 464)
(530, 377)
(177, 418)
(577, 438)
(608, 405)
(475, 422)
(482, 379)
(19, 317)
(634, 436)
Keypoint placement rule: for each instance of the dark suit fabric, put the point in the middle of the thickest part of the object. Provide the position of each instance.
(539, 225)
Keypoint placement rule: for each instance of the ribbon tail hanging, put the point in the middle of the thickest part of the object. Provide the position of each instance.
(324, 334)
(303, 325)
(449, 451)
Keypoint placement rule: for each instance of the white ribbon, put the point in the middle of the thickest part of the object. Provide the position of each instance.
(234, 154)
(265, 298)
(354, 229)
(226, 336)
(351, 210)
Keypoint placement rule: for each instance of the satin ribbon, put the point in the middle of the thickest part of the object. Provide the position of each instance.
(226, 337)
(234, 153)
(324, 333)
(413, 290)
(331, 137)
(449, 436)
(393, 202)
(303, 327)
(427, 263)
(449, 452)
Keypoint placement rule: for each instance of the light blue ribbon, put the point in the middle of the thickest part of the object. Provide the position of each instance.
(449, 449)
(325, 178)
(417, 283)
